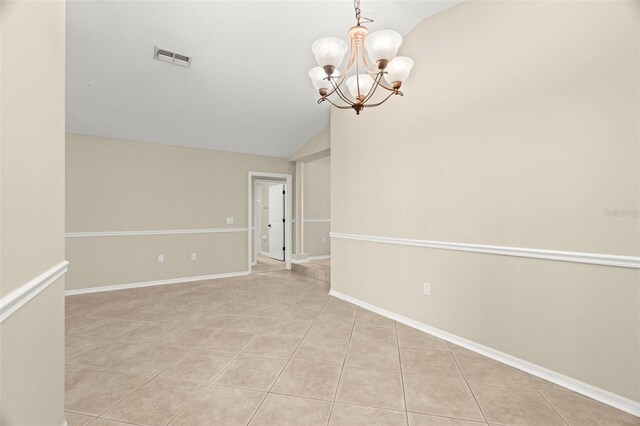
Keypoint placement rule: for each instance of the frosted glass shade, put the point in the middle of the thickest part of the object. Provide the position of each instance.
(318, 78)
(364, 81)
(329, 51)
(383, 45)
(398, 69)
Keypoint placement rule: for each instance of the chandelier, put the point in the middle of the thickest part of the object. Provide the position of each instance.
(381, 46)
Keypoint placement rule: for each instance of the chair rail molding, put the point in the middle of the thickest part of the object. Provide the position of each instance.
(20, 296)
(316, 220)
(557, 255)
(152, 232)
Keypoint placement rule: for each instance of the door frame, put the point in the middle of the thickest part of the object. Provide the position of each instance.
(284, 178)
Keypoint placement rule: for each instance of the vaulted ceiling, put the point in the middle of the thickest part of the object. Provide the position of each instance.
(247, 89)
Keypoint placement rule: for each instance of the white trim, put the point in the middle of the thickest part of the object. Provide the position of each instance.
(18, 297)
(326, 256)
(604, 396)
(307, 259)
(257, 221)
(563, 256)
(152, 232)
(284, 178)
(316, 220)
(154, 283)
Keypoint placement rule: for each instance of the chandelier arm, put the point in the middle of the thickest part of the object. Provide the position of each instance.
(382, 101)
(333, 84)
(338, 106)
(386, 88)
(344, 97)
(374, 86)
(336, 90)
(365, 63)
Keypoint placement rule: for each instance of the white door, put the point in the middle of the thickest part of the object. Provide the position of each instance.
(276, 221)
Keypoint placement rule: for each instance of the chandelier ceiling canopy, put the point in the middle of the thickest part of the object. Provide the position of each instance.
(361, 80)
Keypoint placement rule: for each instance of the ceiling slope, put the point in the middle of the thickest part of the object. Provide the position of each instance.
(247, 89)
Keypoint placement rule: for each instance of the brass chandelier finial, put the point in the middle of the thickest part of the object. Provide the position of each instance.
(381, 46)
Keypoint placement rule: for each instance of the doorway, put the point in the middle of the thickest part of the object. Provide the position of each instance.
(269, 213)
(275, 214)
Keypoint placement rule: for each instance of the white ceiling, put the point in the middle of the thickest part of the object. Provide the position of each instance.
(247, 89)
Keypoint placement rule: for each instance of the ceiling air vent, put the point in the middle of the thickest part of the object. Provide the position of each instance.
(171, 57)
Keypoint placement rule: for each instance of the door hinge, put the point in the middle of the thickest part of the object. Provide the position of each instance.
(282, 248)
(283, 192)
(282, 220)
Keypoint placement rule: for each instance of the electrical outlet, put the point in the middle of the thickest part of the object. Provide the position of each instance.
(194, 256)
(427, 289)
(324, 239)
(161, 258)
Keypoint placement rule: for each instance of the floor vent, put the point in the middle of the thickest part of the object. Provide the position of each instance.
(171, 57)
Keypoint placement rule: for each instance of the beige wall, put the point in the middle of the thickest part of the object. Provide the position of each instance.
(318, 143)
(317, 206)
(32, 215)
(519, 127)
(116, 185)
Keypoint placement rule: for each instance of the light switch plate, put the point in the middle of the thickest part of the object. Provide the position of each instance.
(194, 256)
(161, 258)
(230, 221)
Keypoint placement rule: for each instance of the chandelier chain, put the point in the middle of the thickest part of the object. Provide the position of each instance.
(356, 6)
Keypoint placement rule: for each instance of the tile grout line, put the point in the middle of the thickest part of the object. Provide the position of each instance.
(344, 361)
(467, 383)
(544, 398)
(221, 371)
(189, 351)
(204, 388)
(192, 350)
(404, 394)
(145, 383)
(288, 360)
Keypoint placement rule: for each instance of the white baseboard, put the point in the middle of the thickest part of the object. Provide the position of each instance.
(153, 283)
(604, 396)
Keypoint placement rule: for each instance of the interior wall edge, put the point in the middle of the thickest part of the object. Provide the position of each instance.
(618, 401)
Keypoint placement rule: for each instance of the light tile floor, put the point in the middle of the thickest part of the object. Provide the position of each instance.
(267, 264)
(274, 349)
(319, 269)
